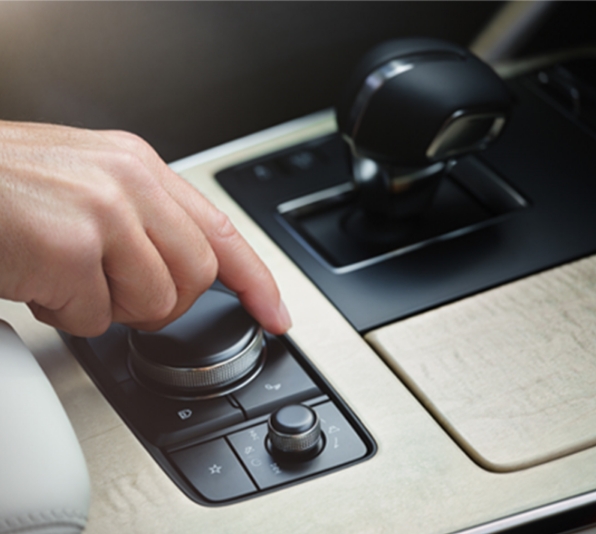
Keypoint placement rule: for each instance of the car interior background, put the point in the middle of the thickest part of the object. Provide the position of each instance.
(469, 409)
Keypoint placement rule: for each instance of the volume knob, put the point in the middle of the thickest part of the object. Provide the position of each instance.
(295, 433)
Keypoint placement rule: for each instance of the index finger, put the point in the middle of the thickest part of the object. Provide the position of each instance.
(240, 268)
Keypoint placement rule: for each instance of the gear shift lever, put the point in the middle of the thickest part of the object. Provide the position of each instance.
(411, 106)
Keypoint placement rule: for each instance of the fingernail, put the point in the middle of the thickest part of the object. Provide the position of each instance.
(284, 314)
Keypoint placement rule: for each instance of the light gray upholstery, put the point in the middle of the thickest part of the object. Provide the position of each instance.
(44, 484)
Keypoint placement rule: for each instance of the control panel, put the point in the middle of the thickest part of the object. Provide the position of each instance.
(228, 410)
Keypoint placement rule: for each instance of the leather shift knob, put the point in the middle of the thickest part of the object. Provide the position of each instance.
(410, 106)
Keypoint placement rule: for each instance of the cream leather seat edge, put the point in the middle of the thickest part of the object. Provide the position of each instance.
(44, 483)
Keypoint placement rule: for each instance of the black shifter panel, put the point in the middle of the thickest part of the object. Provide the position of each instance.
(523, 205)
(213, 441)
(346, 238)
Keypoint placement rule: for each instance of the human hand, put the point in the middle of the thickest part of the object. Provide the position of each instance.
(95, 228)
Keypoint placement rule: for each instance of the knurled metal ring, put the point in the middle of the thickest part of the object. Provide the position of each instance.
(212, 380)
(297, 443)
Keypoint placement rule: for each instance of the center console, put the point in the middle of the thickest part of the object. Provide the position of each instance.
(231, 412)
(523, 205)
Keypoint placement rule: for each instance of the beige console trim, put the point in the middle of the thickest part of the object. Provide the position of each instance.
(419, 482)
(511, 373)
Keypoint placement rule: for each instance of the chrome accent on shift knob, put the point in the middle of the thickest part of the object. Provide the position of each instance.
(411, 106)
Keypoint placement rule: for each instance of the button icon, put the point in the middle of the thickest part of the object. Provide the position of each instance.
(272, 387)
(333, 429)
(184, 414)
(249, 450)
(275, 469)
(254, 435)
(255, 462)
(302, 160)
(262, 172)
(215, 469)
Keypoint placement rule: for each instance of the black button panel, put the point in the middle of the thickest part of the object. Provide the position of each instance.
(165, 421)
(341, 446)
(282, 381)
(214, 471)
(216, 449)
(303, 160)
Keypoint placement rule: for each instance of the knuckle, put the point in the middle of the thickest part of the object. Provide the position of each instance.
(200, 278)
(127, 139)
(208, 272)
(76, 249)
(223, 227)
(160, 305)
(209, 265)
(106, 201)
(95, 327)
(128, 163)
(132, 151)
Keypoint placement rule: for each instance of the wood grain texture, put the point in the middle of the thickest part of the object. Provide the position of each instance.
(419, 482)
(510, 373)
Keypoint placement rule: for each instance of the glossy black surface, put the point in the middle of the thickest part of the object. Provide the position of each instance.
(398, 121)
(543, 155)
(345, 236)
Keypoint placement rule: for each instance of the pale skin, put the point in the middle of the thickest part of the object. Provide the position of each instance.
(95, 228)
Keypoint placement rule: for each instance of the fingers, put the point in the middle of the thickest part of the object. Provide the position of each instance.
(86, 312)
(240, 269)
(156, 243)
(141, 287)
(186, 260)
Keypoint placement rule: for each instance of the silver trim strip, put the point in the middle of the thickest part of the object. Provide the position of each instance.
(442, 135)
(253, 140)
(374, 81)
(398, 182)
(536, 514)
(314, 198)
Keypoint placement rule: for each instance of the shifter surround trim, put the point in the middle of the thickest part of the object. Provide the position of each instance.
(541, 155)
(475, 177)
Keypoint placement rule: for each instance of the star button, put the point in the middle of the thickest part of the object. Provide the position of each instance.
(215, 469)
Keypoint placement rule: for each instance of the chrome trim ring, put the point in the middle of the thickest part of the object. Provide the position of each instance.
(196, 381)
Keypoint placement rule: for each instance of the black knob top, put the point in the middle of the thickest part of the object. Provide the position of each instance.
(295, 432)
(293, 419)
(210, 350)
(413, 102)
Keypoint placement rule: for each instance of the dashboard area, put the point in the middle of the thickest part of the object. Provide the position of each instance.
(420, 479)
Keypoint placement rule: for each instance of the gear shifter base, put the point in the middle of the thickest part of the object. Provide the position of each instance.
(347, 237)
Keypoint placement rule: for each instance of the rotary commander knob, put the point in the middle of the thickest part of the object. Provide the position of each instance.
(295, 433)
(214, 348)
(410, 106)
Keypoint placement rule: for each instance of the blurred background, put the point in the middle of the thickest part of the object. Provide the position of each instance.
(190, 75)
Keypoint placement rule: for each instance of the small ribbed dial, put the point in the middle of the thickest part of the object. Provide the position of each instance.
(295, 432)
